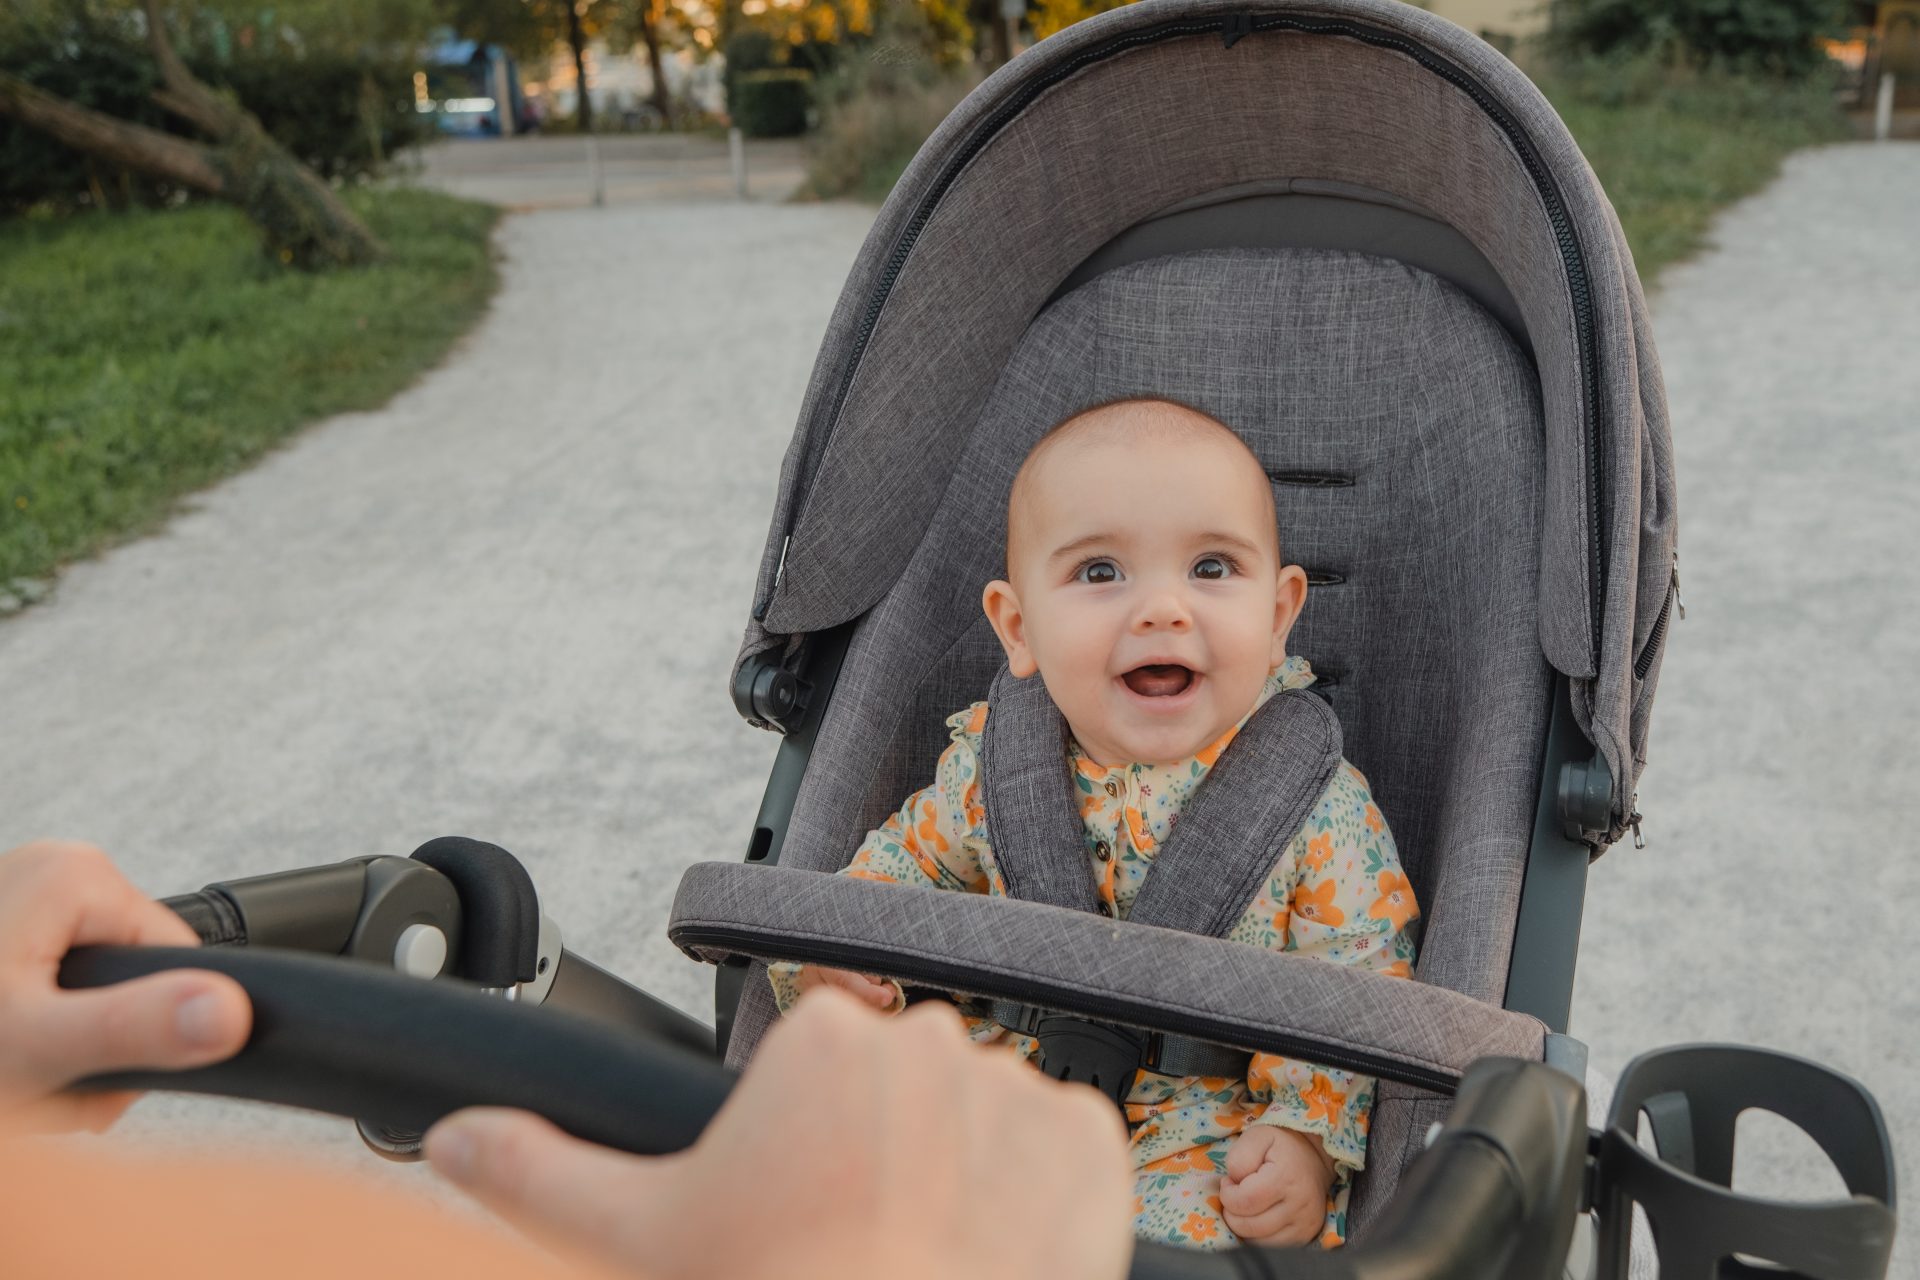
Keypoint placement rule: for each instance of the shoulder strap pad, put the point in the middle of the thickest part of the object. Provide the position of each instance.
(1230, 834)
(1243, 816)
(1039, 843)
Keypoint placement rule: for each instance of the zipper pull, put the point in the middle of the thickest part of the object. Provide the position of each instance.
(1633, 820)
(1678, 603)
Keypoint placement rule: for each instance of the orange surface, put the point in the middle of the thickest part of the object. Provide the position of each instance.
(72, 1213)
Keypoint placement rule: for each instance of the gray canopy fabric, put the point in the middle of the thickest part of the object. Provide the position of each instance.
(1168, 104)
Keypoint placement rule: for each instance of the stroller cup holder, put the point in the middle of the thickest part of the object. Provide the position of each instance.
(1691, 1097)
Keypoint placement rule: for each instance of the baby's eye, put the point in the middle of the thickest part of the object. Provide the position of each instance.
(1213, 568)
(1098, 573)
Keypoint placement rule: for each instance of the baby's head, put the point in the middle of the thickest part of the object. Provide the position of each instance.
(1144, 579)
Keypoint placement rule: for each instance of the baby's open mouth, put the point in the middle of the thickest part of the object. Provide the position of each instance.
(1159, 680)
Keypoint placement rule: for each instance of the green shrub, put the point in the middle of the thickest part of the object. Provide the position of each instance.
(341, 113)
(1775, 37)
(748, 51)
(772, 104)
(879, 105)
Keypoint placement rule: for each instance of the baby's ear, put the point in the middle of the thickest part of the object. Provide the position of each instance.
(1290, 596)
(1002, 608)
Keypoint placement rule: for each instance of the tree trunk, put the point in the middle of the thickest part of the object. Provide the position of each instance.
(650, 32)
(303, 221)
(576, 37)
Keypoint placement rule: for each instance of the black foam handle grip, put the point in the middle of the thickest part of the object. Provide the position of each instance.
(499, 909)
(212, 915)
(358, 1041)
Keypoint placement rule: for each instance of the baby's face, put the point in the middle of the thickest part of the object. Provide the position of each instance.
(1146, 588)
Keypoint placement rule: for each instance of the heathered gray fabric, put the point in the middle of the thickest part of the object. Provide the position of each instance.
(1134, 974)
(1231, 833)
(1027, 788)
(1234, 829)
(979, 246)
(1428, 643)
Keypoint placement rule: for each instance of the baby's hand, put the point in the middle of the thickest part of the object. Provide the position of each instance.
(1275, 1191)
(872, 991)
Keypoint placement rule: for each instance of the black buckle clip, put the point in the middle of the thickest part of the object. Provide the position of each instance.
(1091, 1053)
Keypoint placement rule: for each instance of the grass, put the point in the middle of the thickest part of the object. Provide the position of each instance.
(146, 355)
(1674, 146)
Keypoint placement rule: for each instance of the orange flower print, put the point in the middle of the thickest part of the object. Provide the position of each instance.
(1282, 920)
(1198, 1227)
(1395, 902)
(1398, 969)
(868, 873)
(1207, 755)
(1375, 823)
(1139, 1205)
(970, 801)
(978, 720)
(1331, 1239)
(1192, 1160)
(1320, 850)
(928, 829)
(1316, 904)
(1323, 1100)
(1137, 830)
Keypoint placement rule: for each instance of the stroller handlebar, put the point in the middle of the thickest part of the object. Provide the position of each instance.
(357, 1041)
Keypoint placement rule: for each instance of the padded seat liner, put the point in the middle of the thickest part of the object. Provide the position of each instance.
(1330, 364)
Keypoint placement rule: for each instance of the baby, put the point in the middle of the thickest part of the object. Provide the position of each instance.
(1145, 585)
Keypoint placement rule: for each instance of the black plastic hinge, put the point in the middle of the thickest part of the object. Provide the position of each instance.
(766, 692)
(1585, 799)
(1234, 27)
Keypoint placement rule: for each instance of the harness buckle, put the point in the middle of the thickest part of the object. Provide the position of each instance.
(1091, 1053)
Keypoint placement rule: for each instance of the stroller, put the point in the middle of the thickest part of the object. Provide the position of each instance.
(1362, 239)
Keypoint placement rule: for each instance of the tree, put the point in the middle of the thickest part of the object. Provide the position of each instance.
(300, 217)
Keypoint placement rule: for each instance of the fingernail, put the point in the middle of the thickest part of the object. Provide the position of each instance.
(197, 1021)
(451, 1149)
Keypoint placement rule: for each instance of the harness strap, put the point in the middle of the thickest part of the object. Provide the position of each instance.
(1231, 833)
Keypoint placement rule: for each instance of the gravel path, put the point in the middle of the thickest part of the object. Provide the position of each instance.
(505, 606)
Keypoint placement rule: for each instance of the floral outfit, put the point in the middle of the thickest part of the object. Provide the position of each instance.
(1337, 893)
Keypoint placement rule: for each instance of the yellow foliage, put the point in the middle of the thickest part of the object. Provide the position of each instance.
(1049, 16)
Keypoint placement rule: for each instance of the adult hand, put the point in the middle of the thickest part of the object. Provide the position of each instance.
(852, 1147)
(1275, 1191)
(55, 896)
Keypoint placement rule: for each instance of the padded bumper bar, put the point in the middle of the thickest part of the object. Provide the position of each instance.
(1003, 949)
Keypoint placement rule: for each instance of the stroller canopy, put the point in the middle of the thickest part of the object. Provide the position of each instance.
(1174, 125)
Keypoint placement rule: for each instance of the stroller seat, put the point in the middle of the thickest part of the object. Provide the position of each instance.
(1362, 240)
(1401, 428)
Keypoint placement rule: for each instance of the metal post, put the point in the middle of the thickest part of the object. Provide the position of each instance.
(1883, 108)
(737, 156)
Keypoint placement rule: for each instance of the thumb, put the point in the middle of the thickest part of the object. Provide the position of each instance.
(554, 1186)
(168, 1020)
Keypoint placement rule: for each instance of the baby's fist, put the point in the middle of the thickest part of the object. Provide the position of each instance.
(883, 996)
(1275, 1191)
